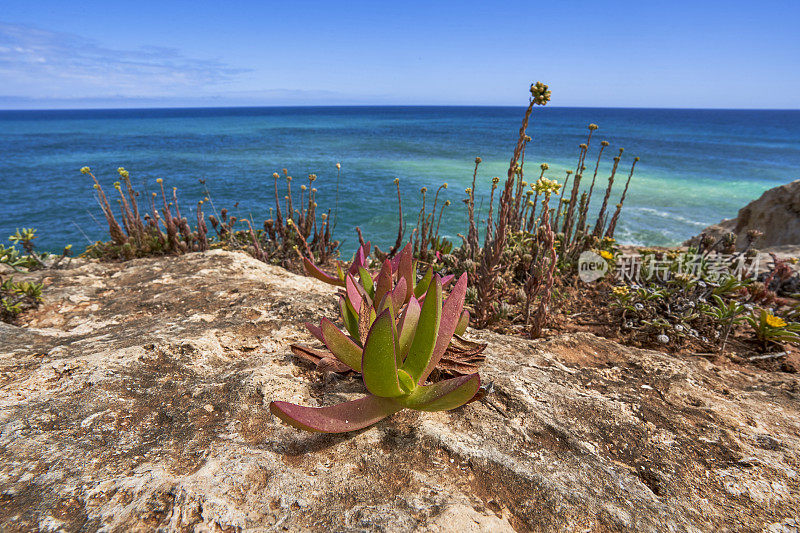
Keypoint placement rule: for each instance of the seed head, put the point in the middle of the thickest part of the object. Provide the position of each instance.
(397, 181)
(592, 127)
(540, 93)
(275, 175)
(544, 166)
(85, 170)
(495, 180)
(478, 160)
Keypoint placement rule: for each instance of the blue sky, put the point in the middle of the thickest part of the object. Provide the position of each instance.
(56, 54)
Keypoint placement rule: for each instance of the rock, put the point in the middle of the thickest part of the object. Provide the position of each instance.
(105, 423)
(776, 214)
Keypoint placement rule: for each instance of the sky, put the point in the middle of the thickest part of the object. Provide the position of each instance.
(175, 53)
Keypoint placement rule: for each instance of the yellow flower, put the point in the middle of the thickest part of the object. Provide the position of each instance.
(605, 254)
(775, 321)
(622, 290)
(85, 170)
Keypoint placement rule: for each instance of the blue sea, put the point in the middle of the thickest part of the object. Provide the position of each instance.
(697, 166)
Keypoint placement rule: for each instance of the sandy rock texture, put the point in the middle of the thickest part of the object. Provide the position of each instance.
(135, 399)
(776, 214)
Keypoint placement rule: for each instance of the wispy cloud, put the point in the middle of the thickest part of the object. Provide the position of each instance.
(41, 64)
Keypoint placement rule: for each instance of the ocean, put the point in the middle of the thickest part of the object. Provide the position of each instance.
(697, 166)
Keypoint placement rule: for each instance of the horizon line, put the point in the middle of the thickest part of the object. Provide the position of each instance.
(284, 106)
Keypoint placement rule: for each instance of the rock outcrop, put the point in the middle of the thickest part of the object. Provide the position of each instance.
(135, 399)
(776, 214)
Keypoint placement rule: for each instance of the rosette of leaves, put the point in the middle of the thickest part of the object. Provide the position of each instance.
(399, 353)
(364, 298)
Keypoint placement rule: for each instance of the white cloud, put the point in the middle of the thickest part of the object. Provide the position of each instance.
(36, 63)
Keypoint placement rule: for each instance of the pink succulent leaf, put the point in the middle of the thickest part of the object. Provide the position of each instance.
(315, 331)
(366, 315)
(340, 345)
(379, 363)
(360, 260)
(348, 416)
(396, 260)
(446, 280)
(405, 269)
(315, 272)
(384, 281)
(444, 395)
(451, 315)
(354, 295)
(398, 295)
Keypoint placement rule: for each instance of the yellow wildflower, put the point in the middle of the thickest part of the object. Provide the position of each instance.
(85, 170)
(622, 290)
(605, 254)
(775, 321)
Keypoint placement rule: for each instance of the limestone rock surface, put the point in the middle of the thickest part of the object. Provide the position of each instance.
(776, 214)
(135, 399)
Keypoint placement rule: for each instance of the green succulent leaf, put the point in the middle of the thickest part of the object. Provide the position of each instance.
(450, 316)
(424, 340)
(366, 281)
(407, 328)
(443, 395)
(463, 322)
(340, 345)
(422, 287)
(379, 363)
(350, 316)
(348, 416)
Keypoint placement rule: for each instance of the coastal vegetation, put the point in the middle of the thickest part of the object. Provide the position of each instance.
(521, 251)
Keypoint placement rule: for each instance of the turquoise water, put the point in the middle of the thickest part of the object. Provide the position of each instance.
(697, 166)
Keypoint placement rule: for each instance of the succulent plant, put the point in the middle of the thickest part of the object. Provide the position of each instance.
(400, 350)
(363, 299)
